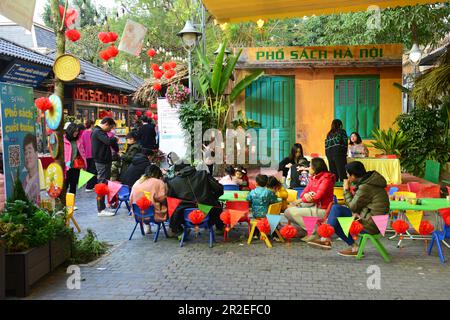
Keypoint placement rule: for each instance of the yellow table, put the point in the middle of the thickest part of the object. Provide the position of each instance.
(388, 168)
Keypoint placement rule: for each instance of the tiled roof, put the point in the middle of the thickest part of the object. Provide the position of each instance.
(136, 80)
(45, 38)
(15, 50)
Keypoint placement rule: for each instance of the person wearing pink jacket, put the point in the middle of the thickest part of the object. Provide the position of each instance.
(74, 156)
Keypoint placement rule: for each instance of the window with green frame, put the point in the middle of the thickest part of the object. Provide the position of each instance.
(357, 103)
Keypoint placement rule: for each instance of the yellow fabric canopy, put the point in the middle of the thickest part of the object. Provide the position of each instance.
(253, 10)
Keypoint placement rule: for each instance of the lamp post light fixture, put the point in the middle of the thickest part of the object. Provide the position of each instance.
(227, 52)
(189, 36)
(414, 56)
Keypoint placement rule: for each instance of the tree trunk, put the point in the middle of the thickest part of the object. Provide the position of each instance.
(59, 85)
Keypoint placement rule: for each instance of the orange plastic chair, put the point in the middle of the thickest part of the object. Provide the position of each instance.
(241, 206)
(274, 208)
(70, 203)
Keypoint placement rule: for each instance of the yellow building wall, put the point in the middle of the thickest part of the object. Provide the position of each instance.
(314, 101)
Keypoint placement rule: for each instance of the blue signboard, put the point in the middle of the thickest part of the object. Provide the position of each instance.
(24, 73)
(19, 139)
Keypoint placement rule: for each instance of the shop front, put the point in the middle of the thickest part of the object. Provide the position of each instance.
(304, 88)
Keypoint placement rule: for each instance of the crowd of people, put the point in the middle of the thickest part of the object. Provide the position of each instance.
(95, 148)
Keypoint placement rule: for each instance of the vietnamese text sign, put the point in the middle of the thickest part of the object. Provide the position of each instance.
(19, 11)
(19, 139)
(323, 54)
(171, 135)
(25, 74)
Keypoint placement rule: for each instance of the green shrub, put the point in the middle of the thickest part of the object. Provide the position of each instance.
(390, 141)
(88, 248)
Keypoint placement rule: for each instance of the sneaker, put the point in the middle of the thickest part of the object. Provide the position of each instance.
(349, 252)
(89, 190)
(147, 229)
(326, 244)
(106, 213)
(75, 208)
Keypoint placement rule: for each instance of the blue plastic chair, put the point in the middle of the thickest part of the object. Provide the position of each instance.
(189, 225)
(124, 196)
(148, 216)
(299, 191)
(392, 190)
(230, 187)
(438, 237)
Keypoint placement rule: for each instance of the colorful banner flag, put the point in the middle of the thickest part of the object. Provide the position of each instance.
(235, 216)
(113, 188)
(204, 208)
(274, 220)
(415, 217)
(346, 223)
(172, 204)
(310, 224)
(381, 222)
(84, 178)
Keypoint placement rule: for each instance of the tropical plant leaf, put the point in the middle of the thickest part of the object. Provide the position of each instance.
(244, 83)
(228, 71)
(217, 70)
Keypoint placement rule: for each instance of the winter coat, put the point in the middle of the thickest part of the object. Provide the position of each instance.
(336, 145)
(132, 151)
(302, 162)
(158, 191)
(370, 199)
(136, 169)
(323, 185)
(260, 199)
(147, 136)
(101, 145)
(68, 152)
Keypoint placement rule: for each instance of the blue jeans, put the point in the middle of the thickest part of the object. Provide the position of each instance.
(338, 211)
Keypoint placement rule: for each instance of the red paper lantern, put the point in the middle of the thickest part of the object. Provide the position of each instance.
(153, 106)
(356, 228)
(155, 67)
(48, 131)
(43, 104)
(71, 15)
(169, 74)
(166, 66)
(158, 74)
(112, 36)
(288, 232)
(139, 113)
(104, 37)
(101, 189)
(73, 35)
(148, 114)
(426, 228)
(263, 226)
(325, 230)
(112, 51)
(155, 117)
(400, 226)
(151, 53)
(172, 64)
(143, 203)
(157, 87)
(104, 55)
(225, 217)
(196, 217)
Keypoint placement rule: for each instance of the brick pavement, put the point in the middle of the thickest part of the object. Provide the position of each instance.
(142, 269)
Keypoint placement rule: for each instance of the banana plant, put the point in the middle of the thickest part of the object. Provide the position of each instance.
(212, 83)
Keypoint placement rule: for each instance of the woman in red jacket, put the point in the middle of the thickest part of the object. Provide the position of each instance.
(315, 199)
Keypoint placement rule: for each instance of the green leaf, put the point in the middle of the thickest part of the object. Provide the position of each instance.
(244, 83)
(217, 70)
(228, 71)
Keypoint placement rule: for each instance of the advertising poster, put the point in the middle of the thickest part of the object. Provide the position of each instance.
(19, 139)
(171, 135)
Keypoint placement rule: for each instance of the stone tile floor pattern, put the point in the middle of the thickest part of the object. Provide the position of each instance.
(141, 269)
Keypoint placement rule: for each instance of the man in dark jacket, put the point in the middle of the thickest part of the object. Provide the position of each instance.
(101, 153)
(370, 199)
(195, 187)
(147, 134)
(137, 167)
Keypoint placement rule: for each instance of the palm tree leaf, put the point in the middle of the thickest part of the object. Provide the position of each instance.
(228, 71)
(217, 70)
(244, 83)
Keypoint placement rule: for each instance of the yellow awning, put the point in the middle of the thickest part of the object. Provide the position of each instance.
(253, 10)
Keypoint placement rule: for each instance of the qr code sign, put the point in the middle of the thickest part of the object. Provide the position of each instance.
(14, 156)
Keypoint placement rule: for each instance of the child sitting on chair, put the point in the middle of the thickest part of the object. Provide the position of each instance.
(242, 179)
(261, 198)
(275, 185)
(229, 178)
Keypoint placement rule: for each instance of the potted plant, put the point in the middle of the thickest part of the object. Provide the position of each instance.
(390, 142)
(60, 241)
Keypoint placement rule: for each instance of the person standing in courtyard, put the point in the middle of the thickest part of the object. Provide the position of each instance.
(74, 156)
(147, 134)
(101, 152)
(90, 163)
(336, 145)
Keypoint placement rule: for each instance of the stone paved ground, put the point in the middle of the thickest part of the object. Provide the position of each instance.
(142, 269)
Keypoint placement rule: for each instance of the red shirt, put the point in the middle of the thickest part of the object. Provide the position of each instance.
(323, 185)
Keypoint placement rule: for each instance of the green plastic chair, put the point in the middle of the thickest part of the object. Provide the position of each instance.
(375, 238)
(432, 171)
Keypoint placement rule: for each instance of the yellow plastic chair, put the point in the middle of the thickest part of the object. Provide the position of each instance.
(274, 208)
(70, 203)
(339, 193)
(292, 195)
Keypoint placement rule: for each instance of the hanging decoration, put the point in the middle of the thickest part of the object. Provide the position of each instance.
(158, 74)
(73, 35)
(400, 227)
(112, 51)
(67, 67)
(153, 106)
(225, 216)
(43, 104)
(104, 55)
(107, 37)
(139, 113)
(196, 217)
(288, 232)
(148, 114)
(263, 226)
(71, 16)
(325, 231)
(170, 74)
(166, 66)
(105, 114)
(172, 64)
(143, 203)
(355, 229)
(157, 87)
(54, 180)
(155, 67)
(151, 53)
(426, 228)
(53, 116)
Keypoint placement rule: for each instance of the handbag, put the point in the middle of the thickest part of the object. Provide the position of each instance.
(78, 163)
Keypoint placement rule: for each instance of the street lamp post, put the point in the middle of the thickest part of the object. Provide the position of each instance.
(414, 56)
(189, 35)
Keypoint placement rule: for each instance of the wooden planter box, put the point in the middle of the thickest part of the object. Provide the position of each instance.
(60, 251)
(2, 273)
(23, 269)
